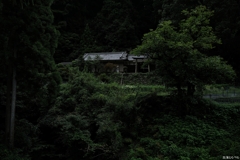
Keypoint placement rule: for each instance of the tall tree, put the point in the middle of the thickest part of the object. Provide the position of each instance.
(180, 52)
(225, 21)
(28, 33)
(10, 49)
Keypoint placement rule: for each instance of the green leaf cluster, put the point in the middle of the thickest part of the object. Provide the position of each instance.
(180, 52)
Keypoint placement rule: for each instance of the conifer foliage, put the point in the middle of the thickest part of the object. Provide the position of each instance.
(30, 40)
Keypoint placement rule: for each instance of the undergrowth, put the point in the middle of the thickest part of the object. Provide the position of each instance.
(95, 120)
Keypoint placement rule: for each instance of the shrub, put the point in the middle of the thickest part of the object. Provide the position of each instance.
(6, 154)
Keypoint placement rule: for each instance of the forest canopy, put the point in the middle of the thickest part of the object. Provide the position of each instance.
(58, 111)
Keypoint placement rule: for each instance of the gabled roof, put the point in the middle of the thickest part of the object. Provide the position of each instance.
(105, 56)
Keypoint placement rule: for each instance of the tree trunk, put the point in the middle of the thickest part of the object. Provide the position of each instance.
(8, 104)
(13, 106)
(11, 102)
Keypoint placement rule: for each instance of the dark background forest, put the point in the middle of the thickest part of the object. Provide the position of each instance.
(43, 116)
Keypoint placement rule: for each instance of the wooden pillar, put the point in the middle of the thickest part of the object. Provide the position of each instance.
(148, 67)
(136, 65)
(118, 68)
(122, 79)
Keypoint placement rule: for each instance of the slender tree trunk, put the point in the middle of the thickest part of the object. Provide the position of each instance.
(8, 104)
(11, 101)
(13, 106)
(12, 47)
(122, 79)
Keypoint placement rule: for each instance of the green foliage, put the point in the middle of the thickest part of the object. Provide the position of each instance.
(104, 77)
(6, 154)
(28, 33)
(192, 137)
(37, 73)
(91, 119)
(71, 19)
(25, 136)
(93, 65)
(68, 47)
(182, 139)
(116, 23)
(150, 78)
(216, 70)
(179, 52)
(86, 117)
(64, 71)
(87, 41)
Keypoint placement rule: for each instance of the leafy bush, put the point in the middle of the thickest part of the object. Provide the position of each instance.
(6, 154)
(87, 116)
(104, 77)
(95, 120)
(137, 78)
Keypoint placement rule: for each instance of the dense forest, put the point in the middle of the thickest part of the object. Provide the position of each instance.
(65, 112)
